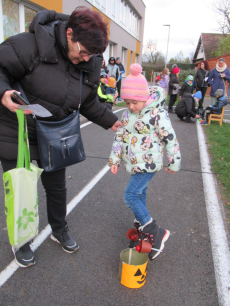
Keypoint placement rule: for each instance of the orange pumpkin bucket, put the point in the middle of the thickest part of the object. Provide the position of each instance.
(132, 270)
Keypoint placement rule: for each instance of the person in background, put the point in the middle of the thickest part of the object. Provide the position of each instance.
(111, 87)
(104, 69)
(187, 86)
(164, 81)
(200, 81)
(106, 100)
(140, 143)
(217, 79)
(173, 88)
(216, 108)
(122, 70)
(186, 107)
(113, 69)
(157, 80)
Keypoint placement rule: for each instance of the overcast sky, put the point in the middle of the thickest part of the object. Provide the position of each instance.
(187, 19)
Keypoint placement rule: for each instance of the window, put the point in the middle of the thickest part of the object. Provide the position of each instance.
(16, 18)
(100, 4)
(133, 24)
(123, 14)
(113, 9)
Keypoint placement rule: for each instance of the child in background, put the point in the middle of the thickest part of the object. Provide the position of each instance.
(187, 87)
(111, 87)
(140, 143)
(106, 100)
(216, 108)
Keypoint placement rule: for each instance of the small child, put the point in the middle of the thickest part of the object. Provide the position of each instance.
(106, 100)
(111, 87)
(140, 144)
(187, 87)
(216, 108)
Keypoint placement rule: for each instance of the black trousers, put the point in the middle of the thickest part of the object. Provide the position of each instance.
(172, 100)
(119, 88)
(55, 187)
(203, 91)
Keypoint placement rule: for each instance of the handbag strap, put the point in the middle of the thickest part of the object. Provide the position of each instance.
(23, 143)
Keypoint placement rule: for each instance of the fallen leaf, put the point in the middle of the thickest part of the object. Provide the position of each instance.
(218, 195)
(227, 203)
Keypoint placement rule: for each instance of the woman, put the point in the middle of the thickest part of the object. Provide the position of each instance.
(48, 62)
(217, 79)
(173, 88)
(164, 80)
(104, 69)
(200, 81)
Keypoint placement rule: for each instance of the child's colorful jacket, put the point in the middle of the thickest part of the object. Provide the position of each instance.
(141, 140)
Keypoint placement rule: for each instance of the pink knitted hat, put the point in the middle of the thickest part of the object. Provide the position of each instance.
(135, 85)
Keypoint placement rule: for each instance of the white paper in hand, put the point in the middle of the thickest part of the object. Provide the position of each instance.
(37, 109)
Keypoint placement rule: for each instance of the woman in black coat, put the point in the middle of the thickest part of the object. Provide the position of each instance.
(173, 88)
(200, 81)
(47, 61)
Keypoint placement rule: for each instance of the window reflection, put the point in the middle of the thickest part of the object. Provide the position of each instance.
(10, 12)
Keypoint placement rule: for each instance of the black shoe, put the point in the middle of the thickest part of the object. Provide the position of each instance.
(188, 120)
(156, 235)
(181, 118)
(62, 237)
(170, 111)
(24, 256)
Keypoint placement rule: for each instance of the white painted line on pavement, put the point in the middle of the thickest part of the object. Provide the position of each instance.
(12, 267)
(219, 242)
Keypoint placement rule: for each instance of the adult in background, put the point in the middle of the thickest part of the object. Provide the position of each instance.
(122, 70)
(48, 61)
(217, 79)
(186, 107)
(200, 81)
(173, 88)
(164, 81)
(113, 69)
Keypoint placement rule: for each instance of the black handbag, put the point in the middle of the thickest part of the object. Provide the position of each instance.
(59, 142)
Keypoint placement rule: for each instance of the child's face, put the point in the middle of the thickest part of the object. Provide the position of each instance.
(135, 106)
(103, 80)
(190, 82)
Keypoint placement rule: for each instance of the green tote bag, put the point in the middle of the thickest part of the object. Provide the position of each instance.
(20, 185)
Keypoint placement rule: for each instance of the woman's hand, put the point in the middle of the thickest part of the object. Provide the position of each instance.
(114, 169)
(197, 117)
(8, 103)
(169, 171)
(116, 125)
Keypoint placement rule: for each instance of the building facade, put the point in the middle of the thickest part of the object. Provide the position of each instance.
(125, 20)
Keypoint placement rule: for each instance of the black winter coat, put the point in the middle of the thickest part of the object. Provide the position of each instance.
(199, 81)
(39, 61)
(186, 88)
(173, 80)
(186, 106)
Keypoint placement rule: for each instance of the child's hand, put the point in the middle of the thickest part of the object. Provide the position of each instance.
(169, 171)
(114, 169)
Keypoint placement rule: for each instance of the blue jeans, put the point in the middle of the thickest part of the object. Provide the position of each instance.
(135, 195)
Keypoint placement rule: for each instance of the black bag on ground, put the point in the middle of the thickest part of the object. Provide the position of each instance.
(59, 142)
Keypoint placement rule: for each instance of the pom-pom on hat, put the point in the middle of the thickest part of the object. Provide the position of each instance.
(198, 95)
(176, 70)
(112, 82)
(135, 85)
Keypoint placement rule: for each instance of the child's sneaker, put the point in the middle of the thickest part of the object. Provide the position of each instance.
(156, 235)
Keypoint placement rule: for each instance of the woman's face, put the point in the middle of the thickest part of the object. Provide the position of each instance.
(103, 62)
(202, 65)
(220, 64)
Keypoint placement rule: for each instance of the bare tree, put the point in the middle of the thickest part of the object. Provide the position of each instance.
(222, 9)
(151, 55)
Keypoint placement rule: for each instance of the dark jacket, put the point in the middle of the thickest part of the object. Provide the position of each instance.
(186, 106)
(218, 106)
(186, 88)
(217, 82)
(199, 81)
(122, 69)
(39, 61)
(173, 80)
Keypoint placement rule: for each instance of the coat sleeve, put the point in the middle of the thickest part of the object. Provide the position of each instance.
(96, 112)
(195, 80)
(167, 135)
(188, 105)
(227, 75)
(211, 76)
(171, 84)
(182, 90)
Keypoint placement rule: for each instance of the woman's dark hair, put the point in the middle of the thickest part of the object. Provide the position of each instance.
(206, 66)
(89, 29)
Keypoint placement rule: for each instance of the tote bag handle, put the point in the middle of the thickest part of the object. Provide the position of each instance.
(23, 142)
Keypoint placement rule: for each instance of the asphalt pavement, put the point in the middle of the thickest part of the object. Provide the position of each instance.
(182, 275)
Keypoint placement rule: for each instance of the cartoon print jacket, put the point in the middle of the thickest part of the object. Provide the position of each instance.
(140, 142)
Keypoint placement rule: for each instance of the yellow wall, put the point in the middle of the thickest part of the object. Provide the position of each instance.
(55, 5)
(134, 57)
(138, 47)
(105, 19)
(128, 62)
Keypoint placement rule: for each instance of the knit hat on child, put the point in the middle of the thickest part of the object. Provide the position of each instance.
(219, 93)
(112, 82)
(198, 95)
(135, 85)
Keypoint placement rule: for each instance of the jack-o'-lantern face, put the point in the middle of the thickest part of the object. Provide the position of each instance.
(141, 275)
